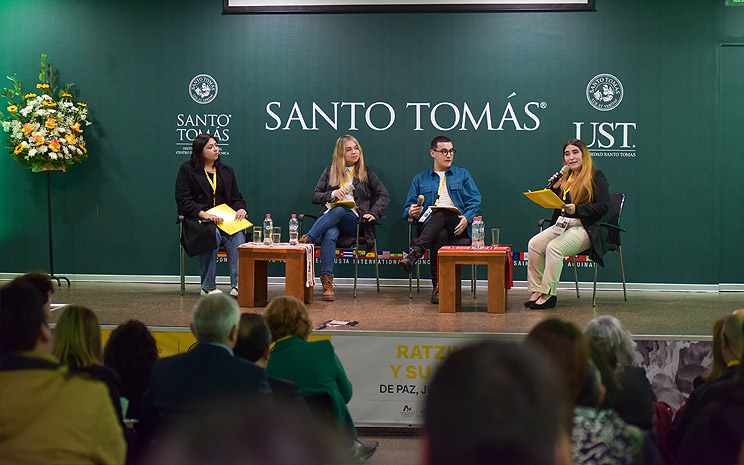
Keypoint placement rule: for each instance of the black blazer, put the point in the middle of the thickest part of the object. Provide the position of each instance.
(591, 214)
(194, 194)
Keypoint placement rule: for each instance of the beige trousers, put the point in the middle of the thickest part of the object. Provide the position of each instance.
(546, 251)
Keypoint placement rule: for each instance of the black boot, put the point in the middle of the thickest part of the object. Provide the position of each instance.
(407, 263)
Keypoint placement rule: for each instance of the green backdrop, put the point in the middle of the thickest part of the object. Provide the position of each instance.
(677, 153)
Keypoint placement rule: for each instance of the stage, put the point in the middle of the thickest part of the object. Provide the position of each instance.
(647, 314)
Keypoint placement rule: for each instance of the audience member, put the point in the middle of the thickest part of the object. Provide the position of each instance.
(254, 345)
(77, 344)
(598, 436)
(732, 348)
(617, 346)
(718, 366)
(184, 384)
(497, 403)
(47, 414)
(313, 366)
(43, 283)
(131, 351)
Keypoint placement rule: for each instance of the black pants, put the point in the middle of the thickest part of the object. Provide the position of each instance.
(437, 232)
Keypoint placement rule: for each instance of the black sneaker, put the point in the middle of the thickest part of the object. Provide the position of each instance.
(435, 296)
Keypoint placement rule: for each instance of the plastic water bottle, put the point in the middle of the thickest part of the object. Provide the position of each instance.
(476, 233)
(268, 229)
(481, 233)
(294, 227)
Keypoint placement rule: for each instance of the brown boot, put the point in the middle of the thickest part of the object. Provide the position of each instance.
(327, 282)
(305, 240)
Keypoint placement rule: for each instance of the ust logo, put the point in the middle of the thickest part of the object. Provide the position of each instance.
(604, 92)
(203, 89)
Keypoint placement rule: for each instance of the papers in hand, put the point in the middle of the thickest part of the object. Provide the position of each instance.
(545, 198)
(344, 203)
(434, 208)
(229, 225)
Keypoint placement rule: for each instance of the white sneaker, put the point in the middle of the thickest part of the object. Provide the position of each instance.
(212, 292)
(234, 292)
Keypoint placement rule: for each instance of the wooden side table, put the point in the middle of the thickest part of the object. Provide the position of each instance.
(450, 261)
(253, 273)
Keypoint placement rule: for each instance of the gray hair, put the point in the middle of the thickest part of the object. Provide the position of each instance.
(214, 318)
(613, 340)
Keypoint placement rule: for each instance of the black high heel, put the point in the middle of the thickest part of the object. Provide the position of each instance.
(550, 303)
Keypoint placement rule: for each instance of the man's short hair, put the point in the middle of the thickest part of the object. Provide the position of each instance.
(254, 337)
(21, 315)
(732, 334)
(495, 402)
(214, 317)
(437, 140)
(41, 281)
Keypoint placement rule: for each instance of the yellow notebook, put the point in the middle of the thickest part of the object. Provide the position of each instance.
(344, 203)
(229, 225)
(545, 198)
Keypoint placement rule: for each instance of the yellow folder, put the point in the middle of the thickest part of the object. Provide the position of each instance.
(545, 198)
(229, 225)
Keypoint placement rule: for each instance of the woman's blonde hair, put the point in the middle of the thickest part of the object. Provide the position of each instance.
(339, 162)
(287, 316)
(582, 188)
(77, 338)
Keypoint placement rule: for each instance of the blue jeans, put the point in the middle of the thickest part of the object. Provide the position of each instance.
(208, 260)
(338, 221)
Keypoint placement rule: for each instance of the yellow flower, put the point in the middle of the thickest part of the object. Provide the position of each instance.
(50, 123)
(54, 145)
(66, 95)
(27, 128)
(18, 149)
(42, 86)
(71, 139)
(27, 96)
(76, 127)
(38, 140)
(12, 108)
(84, 151)
(82, 104)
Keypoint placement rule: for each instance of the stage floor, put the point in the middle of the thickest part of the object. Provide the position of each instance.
(646, 313)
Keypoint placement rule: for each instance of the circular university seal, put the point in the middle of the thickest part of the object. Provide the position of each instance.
(203, 88)
(604, 92)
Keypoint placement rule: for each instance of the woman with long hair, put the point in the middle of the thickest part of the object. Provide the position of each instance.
(575, 227)
(77, 344)
(351, 191)
(205, 182)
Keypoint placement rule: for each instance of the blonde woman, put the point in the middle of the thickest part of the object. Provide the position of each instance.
(77, 343)
(575, 228)
(370, 201)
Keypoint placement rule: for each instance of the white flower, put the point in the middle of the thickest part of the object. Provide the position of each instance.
(52, 156)
(6, 126)
(31, 152)
(43, 149)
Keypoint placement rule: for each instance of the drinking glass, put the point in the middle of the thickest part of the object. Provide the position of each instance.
(276, 235)
(495, 236)
(257, 234)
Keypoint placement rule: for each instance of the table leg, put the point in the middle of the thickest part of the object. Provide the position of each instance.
(446, 286)
(496, 292)
(245, 281)
(260, 289)
(294, 282)
(458, 285)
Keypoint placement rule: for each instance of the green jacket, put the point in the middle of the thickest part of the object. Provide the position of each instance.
(315, 368)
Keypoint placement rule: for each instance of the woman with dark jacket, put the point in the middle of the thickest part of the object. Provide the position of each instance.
(575, 228)
(350, 190)
(203, 183)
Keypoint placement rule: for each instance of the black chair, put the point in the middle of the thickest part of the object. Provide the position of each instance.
(613, 241)
(350, 243)
(413, 232)
(179, 222)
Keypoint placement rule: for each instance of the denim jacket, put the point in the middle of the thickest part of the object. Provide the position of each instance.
(461, 187)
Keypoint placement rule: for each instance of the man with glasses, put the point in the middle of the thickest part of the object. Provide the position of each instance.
(450, 201)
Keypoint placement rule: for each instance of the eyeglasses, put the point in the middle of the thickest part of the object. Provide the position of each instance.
(447, 152)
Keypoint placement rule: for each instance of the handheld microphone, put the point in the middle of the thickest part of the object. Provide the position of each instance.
(554, 179)
(419, 202)
(346, 189)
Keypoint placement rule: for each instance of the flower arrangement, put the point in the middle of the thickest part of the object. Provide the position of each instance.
(45, 130)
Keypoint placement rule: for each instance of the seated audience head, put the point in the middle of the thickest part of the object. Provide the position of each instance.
(732, 339)
(495, 402)
(77, 337)
(23, 319)
(567, 347)
(131, 350)
(43, 283)
(614, 341)
(216, 319)
(287, 316)
(718, 366)
(254, 339)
